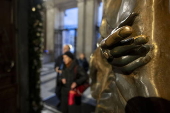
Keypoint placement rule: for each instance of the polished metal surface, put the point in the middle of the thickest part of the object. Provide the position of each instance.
(130, 68)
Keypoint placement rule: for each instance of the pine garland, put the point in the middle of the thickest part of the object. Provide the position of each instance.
(35, 34)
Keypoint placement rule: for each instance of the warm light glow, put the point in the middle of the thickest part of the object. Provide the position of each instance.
(33, 9)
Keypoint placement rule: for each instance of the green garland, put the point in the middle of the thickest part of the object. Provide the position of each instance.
(35, 34)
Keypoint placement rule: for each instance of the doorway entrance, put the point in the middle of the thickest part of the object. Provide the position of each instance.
(62, 37)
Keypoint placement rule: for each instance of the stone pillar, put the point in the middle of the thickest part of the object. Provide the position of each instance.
(90, 28)
(59, 18)
(81, 26)
(87, 20)
(50, 15)
(59, 23)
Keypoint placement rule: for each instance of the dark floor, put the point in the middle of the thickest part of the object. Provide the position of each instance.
(53, 101)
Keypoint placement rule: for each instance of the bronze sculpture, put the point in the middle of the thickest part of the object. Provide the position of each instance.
(132, 58)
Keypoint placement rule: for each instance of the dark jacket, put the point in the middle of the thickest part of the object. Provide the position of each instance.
(84, 63)
(74, 73)
(59, 62)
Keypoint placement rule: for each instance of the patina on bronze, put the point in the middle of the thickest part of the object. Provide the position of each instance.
(130, 69)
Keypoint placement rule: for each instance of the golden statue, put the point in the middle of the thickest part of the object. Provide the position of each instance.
(129, 69)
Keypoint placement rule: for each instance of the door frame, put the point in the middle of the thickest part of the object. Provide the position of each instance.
(22, 54)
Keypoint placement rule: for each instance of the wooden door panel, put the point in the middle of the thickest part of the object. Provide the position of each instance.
(8, 75)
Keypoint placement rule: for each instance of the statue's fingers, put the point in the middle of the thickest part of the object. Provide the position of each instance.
(122, 50)
(138, 40)
(126, 42)
(142, 51)
(122, 61)
(115, 54)
(115, 37)
(128, 69)
(133, 55)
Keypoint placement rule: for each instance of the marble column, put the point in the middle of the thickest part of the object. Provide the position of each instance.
(50, 16)
(87, 20)
(81, 27)
(90, 28)
(59, 23)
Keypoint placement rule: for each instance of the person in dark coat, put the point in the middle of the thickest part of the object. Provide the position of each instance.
(59, 66)
(83, 62)
(71, 80)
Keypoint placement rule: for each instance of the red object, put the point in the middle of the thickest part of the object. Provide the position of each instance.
(80, 89)
(71, 97)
